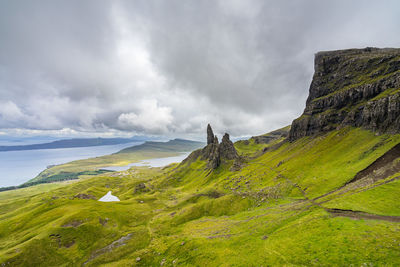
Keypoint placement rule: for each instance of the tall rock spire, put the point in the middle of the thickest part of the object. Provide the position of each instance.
(227, 149)
(210, 135)
(215, 152)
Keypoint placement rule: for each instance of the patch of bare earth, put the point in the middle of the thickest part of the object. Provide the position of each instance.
(74, 223)
(382, 168)
(361, 215)
(85, 196)
(117, 243)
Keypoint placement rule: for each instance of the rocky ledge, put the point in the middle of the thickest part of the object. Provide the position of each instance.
(354, 87)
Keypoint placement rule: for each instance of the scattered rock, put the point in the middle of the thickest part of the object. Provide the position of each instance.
(102, 221)
(183, 243)
(74, 223)
(141, 188)
(163, 262)
(85, 196)
(138, 259)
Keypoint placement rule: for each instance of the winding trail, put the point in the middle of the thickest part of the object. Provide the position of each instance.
(342, 212)
(361, 215)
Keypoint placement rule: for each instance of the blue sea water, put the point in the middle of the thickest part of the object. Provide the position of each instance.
(17, 167)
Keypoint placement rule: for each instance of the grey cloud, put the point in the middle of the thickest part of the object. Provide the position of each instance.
(170, 67)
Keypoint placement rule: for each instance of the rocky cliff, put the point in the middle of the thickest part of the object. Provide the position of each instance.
(356, 87)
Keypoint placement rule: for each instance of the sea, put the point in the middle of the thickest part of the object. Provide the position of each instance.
(17, 167)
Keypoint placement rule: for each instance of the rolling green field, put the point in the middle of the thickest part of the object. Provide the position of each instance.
(290, 204)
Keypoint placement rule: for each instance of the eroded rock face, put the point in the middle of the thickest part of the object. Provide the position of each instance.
(355, 87)
(210, 135)
(216, 152)
(211, 153)
(226, 148)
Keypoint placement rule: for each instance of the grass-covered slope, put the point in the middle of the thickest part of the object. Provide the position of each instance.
(91, 166)
(293, 204)
(176, 145)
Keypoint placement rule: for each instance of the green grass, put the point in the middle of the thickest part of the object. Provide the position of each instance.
(382, 200)
(191, 216)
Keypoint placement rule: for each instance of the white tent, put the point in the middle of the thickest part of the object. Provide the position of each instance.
(109, 198)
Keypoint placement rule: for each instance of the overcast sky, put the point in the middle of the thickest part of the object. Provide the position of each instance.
(118, 68)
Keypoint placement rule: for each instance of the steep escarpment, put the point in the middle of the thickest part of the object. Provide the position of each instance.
(354, 87)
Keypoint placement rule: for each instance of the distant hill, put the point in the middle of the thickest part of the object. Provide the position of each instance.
(92, 166)
(176, 145)
(75, 142)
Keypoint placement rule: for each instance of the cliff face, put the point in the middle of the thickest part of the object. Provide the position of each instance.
(357, 87)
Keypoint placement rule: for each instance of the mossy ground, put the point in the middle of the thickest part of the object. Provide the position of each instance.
(261, 215)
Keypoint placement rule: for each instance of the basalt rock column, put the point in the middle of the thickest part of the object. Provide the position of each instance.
(227, 149)
(216, 152)
(210, 135)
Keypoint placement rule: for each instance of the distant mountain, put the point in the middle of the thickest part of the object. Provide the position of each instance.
(75, 142)
(176, 145)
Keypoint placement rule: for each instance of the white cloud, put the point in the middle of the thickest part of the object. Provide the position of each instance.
(150, 118)
(158, 67)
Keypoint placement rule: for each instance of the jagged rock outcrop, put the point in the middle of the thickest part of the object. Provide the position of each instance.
(226, 148)
(216, 152)
(211, 153)
(210, 135)
(354, 87)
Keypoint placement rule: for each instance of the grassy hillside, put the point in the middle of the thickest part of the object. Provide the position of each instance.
(91, 166)
(290, 204)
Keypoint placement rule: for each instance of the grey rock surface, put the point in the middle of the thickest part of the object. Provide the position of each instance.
(354, 87)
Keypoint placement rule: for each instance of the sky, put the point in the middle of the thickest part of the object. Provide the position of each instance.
(167, 68)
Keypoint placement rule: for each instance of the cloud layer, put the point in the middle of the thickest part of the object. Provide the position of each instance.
(170, 67)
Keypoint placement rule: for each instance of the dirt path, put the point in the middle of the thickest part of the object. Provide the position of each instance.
(380, 163)
(361, 215)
